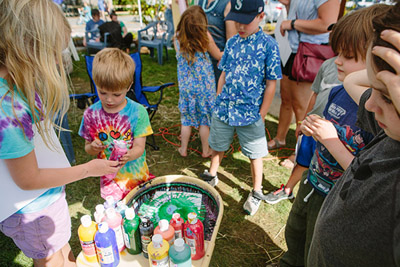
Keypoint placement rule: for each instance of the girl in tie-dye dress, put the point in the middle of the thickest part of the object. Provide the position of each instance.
(197, 86)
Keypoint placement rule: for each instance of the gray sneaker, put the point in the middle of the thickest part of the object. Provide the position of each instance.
(207, 177)
(252, 204)
(278, 195)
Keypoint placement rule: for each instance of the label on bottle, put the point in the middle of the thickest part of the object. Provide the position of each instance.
(160, 263)
(106, 255)
(178, 234)
(145, 242)
(88, 248)
(119, 236)
(126, 237)
(192, 245)
(171, 264)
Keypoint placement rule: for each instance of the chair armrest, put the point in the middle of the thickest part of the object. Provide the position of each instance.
(153, 89)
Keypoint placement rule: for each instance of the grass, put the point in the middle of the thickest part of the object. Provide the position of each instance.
(242, 240)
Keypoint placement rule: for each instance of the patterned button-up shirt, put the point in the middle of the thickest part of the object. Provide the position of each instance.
(248, 63)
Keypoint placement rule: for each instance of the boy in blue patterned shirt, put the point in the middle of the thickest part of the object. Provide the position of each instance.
(250, 67)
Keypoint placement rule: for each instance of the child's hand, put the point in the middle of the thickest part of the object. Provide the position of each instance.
(127, 157)
(100, 167)
(97, 146)
(322, 130)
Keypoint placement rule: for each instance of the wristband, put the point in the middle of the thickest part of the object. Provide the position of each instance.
(292, 24)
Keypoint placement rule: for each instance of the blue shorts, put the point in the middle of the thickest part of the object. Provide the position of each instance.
(305, 149)
(40, 234)
(251, 137)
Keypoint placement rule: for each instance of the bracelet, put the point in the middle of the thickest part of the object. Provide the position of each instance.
(299, 122)
(292, 24)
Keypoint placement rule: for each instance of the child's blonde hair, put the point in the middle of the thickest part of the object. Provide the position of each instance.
(353, 33)
(33, 35)
(113, 69)
(192, 33)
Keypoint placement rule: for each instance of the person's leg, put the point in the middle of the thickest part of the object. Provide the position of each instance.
(294, 178)
(62, 258)
(257, 173)
(185, 136)
(300, 98)
(216, 158)
(204, 132)
(285, 112)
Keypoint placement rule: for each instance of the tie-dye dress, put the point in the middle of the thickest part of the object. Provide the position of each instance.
(131, 122)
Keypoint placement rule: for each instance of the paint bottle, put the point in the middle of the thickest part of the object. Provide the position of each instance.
(194, 236)
(109, 203)
(166, 231)
(158, 251)
(131, 232)
(146, 228)
(114, 220)
(86, 232)
(177, 223)
(121, 208)
(99, 213)
(119, 149)
(180, 254)
(106, 244)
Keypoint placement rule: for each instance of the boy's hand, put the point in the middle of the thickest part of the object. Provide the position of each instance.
(322, 130)
(97, 146)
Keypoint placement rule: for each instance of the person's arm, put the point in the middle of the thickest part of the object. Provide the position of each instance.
(230, 28)
(268, 97)
(356, 83)
(212, 48)
(221, 82)
(324, 132)
(392, 57)
(310, 106)
(28, 176)
(135, 151)
(327, 14)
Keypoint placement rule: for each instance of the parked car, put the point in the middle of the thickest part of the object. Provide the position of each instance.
(272, 10)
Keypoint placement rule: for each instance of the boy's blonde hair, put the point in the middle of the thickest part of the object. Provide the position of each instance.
(113, 69)
(192, 33)
(33, 35)
(353, 33)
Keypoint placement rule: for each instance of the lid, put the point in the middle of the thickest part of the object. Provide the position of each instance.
(129, 213)
(103, 227)
(157, 240)
(164, 225)
(179, 244)
(110, 212)
(192, 217)
(86, 220)
(100, 208)
(120, 143)
(176, 216)
(121, 205)
(109, 201)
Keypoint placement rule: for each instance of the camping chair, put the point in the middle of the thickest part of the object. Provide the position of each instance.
(137, 92)
(151, 37)
(94, 47)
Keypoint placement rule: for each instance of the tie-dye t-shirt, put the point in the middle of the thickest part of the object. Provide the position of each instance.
(131, 122)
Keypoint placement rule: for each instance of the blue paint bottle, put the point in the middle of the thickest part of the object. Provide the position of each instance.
(106, 244)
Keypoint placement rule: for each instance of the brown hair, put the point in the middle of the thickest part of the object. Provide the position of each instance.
(353, 33)
(113, 69)
(192, 33)
(389, 20)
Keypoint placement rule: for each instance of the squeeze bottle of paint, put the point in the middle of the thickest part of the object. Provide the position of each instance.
(114, 221)
(177, 223)
(99, 213)
(86, 232)
(109, 203)
(158, 251)
(131, 232)
(120, 148)
(106, 244)
(121, 207)
(146, 228)
(166, 231)
(194, 236)
(179, 254)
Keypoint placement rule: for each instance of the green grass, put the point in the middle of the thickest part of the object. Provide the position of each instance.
(242, 240)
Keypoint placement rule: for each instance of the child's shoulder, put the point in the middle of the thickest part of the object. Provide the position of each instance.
(133, 105)
(267, 39)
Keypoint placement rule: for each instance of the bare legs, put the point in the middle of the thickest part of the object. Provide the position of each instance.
(185, 135)
(61, 258)
(204, 132)
(256, 173)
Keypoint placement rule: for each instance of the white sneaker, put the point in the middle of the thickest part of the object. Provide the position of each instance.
(207, 177)
(252, 204)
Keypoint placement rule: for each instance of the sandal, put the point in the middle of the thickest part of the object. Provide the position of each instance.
(276, 144)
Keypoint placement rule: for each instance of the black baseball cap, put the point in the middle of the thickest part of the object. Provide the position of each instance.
(244, 11)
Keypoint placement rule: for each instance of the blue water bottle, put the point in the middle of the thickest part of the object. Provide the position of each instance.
(106, 244)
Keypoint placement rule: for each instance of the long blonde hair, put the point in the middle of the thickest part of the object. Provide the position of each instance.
(192, 33)
(33, 35)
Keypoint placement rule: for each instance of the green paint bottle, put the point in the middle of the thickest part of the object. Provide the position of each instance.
(131, 232)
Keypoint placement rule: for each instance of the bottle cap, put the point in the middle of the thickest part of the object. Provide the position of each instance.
(120, 143)
(86, 220)
(129, 213)
(157, 240)
(176, 216)
(100, 208)
(109, 202)
(179, 244)
(110, 213)
(164, 225)
(192, 217)
(103, 227)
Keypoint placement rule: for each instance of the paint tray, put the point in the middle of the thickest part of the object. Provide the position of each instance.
(211, 201)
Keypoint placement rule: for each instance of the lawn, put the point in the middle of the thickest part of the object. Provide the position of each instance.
(242, 240)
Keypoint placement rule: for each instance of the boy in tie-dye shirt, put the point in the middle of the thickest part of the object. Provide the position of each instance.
(116, 117)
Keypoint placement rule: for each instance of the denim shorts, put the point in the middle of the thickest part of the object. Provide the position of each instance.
(40, 234)
(251, 137)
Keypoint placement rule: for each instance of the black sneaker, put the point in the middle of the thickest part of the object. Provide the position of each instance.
(278, 195)
(207, 177)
